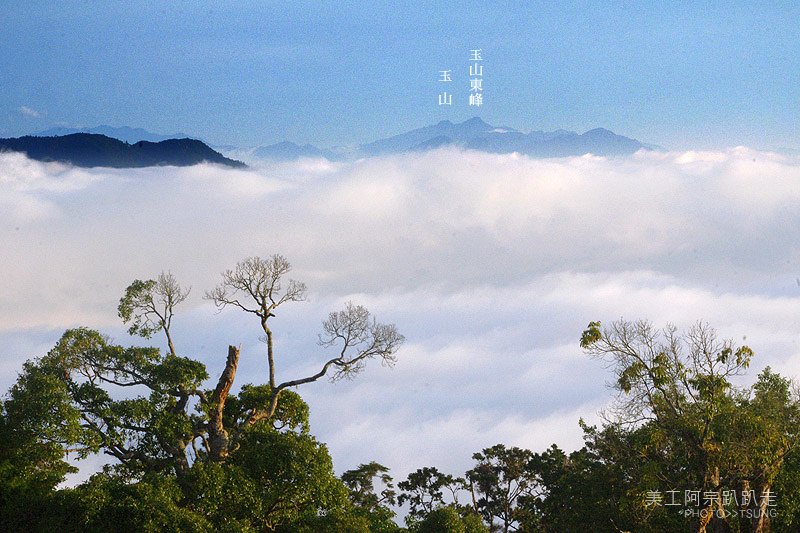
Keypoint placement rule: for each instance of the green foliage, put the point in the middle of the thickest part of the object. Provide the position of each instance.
(224, 495)
(591, 334)
(291, 414)
(367, 501)
(29, 472)
(138, 296)
(294, 474)
(577, 493)
(187, 458)
(149, 305)
(112, 504)
(449, 520)
(424, 490)
(63, 399)
(361, 483)
(441, 520)
(502, 478)
(603, 486)
(681, 424)
(787, 487)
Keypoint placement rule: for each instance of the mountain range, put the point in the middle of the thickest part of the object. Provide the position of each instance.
(135, 147)
(96, 150)
(473, 134)
(123, 133)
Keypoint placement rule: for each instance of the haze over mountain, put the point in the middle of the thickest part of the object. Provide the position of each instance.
(287, 151)
(123, 133)
(95, 150)
(473, 134)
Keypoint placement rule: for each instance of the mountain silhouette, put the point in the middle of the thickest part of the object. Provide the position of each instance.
(95, 150)
(286, 151)
(475, 134)
(114, 146)
(123, 133)
(472, 134)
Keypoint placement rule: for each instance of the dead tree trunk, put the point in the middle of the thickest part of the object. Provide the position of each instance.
(218, 440)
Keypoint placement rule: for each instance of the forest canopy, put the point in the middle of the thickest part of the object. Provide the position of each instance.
(684, 447)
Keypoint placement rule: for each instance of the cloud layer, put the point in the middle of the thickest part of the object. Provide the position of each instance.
(491, 265)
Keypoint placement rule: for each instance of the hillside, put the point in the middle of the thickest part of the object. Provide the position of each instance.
(95, 150)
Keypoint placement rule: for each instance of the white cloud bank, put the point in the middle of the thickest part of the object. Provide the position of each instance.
(491, 265)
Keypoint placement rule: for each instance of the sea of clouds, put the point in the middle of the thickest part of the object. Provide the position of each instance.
(490, 265)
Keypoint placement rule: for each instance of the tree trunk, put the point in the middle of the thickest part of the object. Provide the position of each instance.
(714, 519)
(217, 435)
(761, 522)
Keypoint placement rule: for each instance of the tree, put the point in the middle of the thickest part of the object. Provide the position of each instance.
(424, 491)
(578, 492)
(603, 486)
(433, 503)
(110, 504)
(367, 500)
(255, 286)
(502, 478)
(274, 480)
(758, 434)
(447, 519)
(155, 415)
(29, 472)
(150, 305)
(681, 423)
(67, 398)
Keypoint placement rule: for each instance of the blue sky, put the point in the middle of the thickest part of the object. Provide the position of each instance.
(676, 74)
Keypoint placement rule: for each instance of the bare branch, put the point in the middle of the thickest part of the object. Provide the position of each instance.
(358, 338)
(149, 306)
(258, 282)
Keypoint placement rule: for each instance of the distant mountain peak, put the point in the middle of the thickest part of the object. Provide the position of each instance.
(475, 121)
(600, 132)
(289, 151)
(123, 133)
(475, 134)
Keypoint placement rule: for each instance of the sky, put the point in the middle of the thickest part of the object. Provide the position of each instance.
(679, 75)
(491, 265)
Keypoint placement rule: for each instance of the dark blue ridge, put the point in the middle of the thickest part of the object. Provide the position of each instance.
(95, 150)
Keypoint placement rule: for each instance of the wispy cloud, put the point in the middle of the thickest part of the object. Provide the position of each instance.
(29, 112)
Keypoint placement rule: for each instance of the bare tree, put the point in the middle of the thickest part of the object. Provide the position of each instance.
(256, 286)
